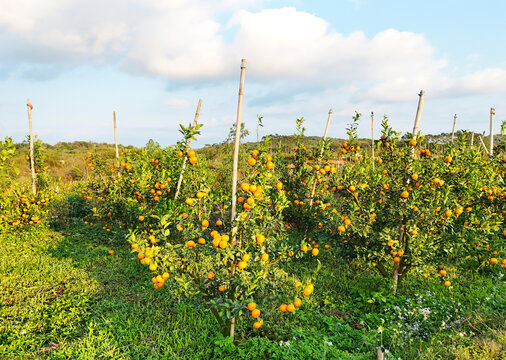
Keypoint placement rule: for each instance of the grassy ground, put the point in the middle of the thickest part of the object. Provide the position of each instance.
(62, 296)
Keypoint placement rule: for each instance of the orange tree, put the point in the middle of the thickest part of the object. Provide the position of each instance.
(234, 268)
(410, 209)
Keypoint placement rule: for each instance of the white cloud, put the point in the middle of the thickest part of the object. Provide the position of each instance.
(178, 103)
(183, 41)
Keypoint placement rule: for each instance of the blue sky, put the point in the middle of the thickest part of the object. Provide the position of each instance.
(151, 61)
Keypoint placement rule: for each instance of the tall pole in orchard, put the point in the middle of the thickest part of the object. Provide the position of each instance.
(32, 162)
(491, 144)
(234, 171)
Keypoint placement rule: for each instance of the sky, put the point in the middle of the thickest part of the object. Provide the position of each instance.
(152, 60)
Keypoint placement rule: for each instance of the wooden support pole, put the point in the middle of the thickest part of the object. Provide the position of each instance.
(234, 171)
(32, 161)
(418, 112)
(179, 182)
(115, 135)
(372, 139)
(491, 143)
(453, 130)
(483, 144)
(237, 141)
(472, 138)
(320, 157)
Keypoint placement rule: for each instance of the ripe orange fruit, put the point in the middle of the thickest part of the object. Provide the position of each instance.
(405, 194)
(304, 248)
(222, 288)
(442, 272)
(190, 244)
(258, 324)
(264, 257)
(269, 165)
(412, 142)
(447, 283)
(210, 275)
(179, 228)
(179, 153)
(341, 228)
(255, 313)
(282, 307)
(448, 213)
(252, 306)
(448, 159)
(141, 218)
(190, 153)
(245, 187)
(189, 201)
(111, 252)
(193, 160)
(279, 186)
(352, 188)
(315, 252)
(308, 290)
(493, 261)
(297, 302)
(252, 161)
(379, 160)
(254, 153)
(459, 210)
(290, 308)
(165, 275)
(347, 221)
(425, 275)
(219, 223)
(397, 259)
(390, 243)
(260, 239)
(242, 265)
(246, 257)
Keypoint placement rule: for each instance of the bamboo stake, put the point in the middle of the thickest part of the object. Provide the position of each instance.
(237, 141)
(234, 170)
(491, 144)
(115, 135)
(320, 157)
(372, 139)
(186, 150)
(483, 144)
(32, 162)
(453, 130)
(418, 112)
(472, 138)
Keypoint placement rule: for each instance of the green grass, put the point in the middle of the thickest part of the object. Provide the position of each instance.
(62, 296)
